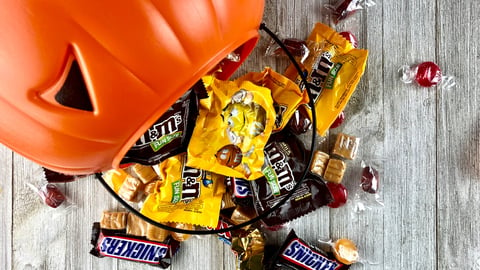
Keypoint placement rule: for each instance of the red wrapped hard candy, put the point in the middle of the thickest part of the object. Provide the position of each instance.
(350, 37)
(51, 195)
(370, 180)
(296, 47)
(339, 120)
(339, 194)
(428, 74)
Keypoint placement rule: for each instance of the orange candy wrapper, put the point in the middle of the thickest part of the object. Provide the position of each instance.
(186, 195)
(286, 94)
(232, 128)
(334, 69)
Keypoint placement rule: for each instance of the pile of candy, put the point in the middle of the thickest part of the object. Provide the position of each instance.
(229, 151)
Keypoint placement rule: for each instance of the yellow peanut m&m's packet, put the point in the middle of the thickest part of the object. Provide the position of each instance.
(333, 70)
(186, 195)
(232, 128)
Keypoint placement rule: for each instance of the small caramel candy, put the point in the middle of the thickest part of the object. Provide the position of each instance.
(345, 251)
(152, 187)
(346, 146)
(129, 188)
(180, 237)
(319, 163)
(145, 173)
(136, 226)
(114, 220)
(155, 233)
(335, 170)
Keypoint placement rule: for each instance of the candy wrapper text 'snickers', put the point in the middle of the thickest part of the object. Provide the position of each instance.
(186, 195)
(334, 68)
(232, 128)
(118, 244)
(298, 254)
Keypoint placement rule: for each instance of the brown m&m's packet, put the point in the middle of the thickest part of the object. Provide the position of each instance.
(186, 195)
(285, 162)
(334, 68)
(169, 135)
(286, 94)
(232, 128)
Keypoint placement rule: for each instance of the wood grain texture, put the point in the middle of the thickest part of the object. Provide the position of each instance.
(425, 142)
(6, 194)
(458, 145)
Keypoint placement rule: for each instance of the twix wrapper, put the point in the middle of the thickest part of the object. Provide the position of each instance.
(334, 68)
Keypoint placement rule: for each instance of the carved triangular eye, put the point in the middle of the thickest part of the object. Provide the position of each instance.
(74, 92)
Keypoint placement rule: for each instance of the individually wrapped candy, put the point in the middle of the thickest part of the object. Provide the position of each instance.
(334, 68)
(342, 9)
(186, 195)
(366, 192)
(426, 74)
(249, 250)
(286, 94)
(295, 253)
(285, 157)
(297, 48)
(232, 128)
(118, 244)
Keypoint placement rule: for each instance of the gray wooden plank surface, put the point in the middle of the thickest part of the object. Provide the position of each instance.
(458, 130)
(424, 141)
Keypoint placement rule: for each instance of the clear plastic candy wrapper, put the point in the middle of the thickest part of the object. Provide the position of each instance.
(342, 9)
(426, 74)
(49, 192)
(367, 191)
(297, 47)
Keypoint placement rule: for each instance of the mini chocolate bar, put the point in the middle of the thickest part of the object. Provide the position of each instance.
(298, 254)
(319, 162)
(346, 146)
(108, 243)
(335, 170)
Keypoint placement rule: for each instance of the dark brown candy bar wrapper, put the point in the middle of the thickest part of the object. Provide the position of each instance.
(171, 133)
(285, 162)
(117, 244)
(298, 254)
